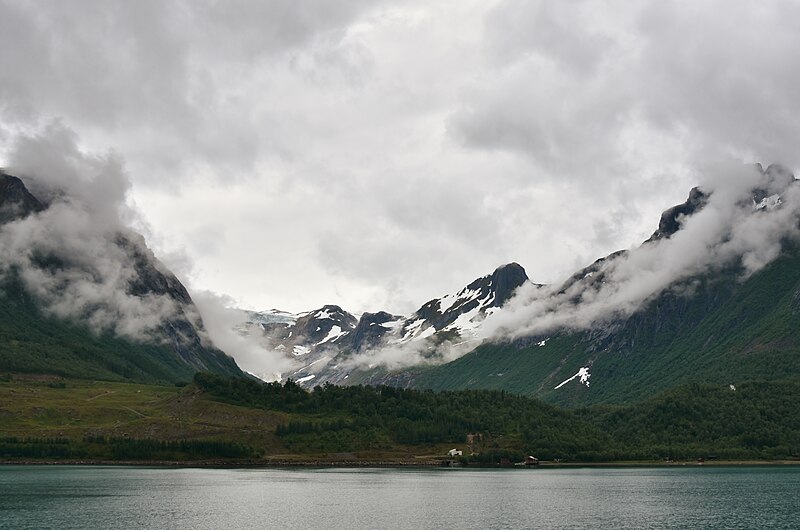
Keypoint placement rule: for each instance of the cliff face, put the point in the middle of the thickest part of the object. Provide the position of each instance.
(723, 324)
(16, 202)
(67, 338)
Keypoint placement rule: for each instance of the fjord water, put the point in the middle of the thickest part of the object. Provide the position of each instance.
(127, 497)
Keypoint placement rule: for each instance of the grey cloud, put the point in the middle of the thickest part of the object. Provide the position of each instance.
(719, 79)
(269, 26)
(399, 356)
(134, 68)
(569, 33)
(81, 230)
(222, 321)
(727, 231)
(58, 169)
(84, 231)
(391, 151)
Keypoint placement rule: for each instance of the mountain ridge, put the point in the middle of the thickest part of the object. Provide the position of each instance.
(60, 339)
(330, 342)
(724, 324)
(628, 355)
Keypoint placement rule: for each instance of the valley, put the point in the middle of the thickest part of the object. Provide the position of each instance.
(216, 420)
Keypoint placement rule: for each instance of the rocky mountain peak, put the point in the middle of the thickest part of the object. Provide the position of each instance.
(16, 201)
(776, 179)
(176, 335)
(505, 280)
(372, 328)
(671, 219)
(322, 326)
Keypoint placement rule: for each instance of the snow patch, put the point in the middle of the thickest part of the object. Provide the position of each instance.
(323, 314)
(427, 332)
(306, 378)
(393, 324)
(466, 322)
(446, 302)
(334, 334)
(464, 296)
(584, 375)
(300, 350)
(412, 329)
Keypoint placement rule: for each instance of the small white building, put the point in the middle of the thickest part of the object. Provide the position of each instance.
(454, 452)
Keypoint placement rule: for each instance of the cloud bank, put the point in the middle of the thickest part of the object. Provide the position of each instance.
(730, 230)
(77, 257)
(82, 261)
(372, 153)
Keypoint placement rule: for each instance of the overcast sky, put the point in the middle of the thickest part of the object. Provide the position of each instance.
(378, 154)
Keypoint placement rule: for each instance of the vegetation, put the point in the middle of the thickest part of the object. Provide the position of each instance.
(45, 417)
(100, 447)
(721, 328)
(754, 421)
(228, 419)
(32, 342)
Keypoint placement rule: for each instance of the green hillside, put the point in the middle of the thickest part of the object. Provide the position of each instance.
(725, 331)
(31, 342)
(243, 420)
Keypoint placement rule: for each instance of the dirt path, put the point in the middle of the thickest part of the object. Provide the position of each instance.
(135, 412)
(100, 395)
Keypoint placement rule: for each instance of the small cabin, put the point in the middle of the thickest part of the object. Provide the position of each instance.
(531, 461)
(454, 452)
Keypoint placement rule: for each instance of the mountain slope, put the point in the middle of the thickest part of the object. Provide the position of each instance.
(56, 335)
(720, 326)
(333, 345)
(727, 332)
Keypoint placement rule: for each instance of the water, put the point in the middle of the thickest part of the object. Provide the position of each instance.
(126, 497)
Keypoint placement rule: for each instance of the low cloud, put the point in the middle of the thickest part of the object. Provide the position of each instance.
(729, 230)
(77, 257)
(225, 324)
(415, 353)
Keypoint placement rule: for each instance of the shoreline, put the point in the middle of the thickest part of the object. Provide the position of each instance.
(355, 464)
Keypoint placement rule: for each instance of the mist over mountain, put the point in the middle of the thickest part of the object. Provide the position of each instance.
(728, 230)
(69, 256)
(741, 217)
(710, 297)
(329, 343)
(77, 280)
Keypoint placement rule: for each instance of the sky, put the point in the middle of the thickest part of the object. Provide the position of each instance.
(379, 154)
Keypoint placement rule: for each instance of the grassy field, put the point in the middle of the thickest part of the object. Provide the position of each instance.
(217, 420)
(74, 413)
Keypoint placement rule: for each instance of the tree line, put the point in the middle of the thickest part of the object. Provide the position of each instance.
(757, 420)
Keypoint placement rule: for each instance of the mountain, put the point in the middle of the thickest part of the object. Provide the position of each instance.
(45, 329)
(722, 324)
(712, 296)
(333, 344)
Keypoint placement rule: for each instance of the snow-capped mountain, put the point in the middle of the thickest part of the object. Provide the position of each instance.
(463, 312)
(713, 292)
(322, 338)
(712, 296)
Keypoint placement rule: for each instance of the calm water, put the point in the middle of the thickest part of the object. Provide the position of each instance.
(122, 497)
